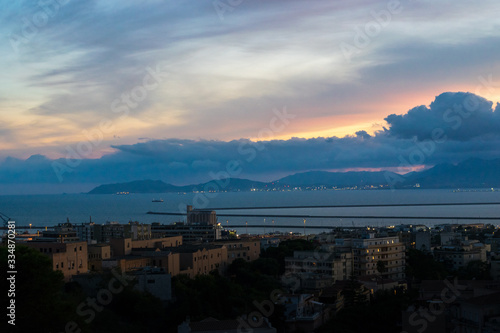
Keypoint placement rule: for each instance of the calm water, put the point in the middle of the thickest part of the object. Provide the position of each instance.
(42, 210)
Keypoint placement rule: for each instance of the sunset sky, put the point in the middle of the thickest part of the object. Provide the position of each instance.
(187, 81)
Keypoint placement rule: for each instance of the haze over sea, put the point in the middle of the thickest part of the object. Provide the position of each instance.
(49, 210)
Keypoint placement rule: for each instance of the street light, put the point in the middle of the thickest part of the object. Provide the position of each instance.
(246, 226)
(304, 227)
(30, 226)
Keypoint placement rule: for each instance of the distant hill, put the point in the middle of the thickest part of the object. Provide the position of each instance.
(158, 186)
(339, 179)
(472, 173)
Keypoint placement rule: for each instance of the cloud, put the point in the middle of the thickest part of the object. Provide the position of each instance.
(182, 161)
(461, 116)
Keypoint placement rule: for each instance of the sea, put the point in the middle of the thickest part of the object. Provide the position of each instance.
(50, 210)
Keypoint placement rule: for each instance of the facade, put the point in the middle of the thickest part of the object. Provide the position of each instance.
(201, 217)
(161, 258)
(68, 258)
(423, 241)
(240, 325)
(124, 246)
(103, 233)
(201, 259)
(367, 252)
(478, 314)
(155, 281)
(335, 264)
(96, 254)
(189, 232)
(126, 263)
(246, 249)
(62, 233)
(459, 256)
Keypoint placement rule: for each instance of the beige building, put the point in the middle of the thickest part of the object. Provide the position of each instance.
(201, 259)
(337, 265)
(126, 263)
(459, 256)
(124, 246)
(247, 249)
(369, 251)
(96, 254)
(69, 258)
(161, 258)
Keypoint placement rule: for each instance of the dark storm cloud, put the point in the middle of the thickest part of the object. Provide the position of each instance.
(462, 116)
(189, 161)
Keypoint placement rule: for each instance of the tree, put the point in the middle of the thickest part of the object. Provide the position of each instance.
(41, 303)
(381, 267)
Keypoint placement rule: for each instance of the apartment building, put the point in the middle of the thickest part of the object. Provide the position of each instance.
(246, 249)
(201, 259)
(124, 246)
(68, 258)
(96, 254)
(370, 250)
(459, 256)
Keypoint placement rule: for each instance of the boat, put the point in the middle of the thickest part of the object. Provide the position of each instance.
(157, 200)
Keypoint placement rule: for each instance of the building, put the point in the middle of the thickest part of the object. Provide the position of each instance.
(96, 254)
(103, 233)
(303, 313)
(62, 233)
(246, 249)
(200, 259)
(459, 256)
(423, 241)
(240, 325)
(189, 232)
(154, 281)
(268, 242)
(68, 258)
(477, 315)
(201, 217)
(127, 263)
(161, 258)
(124, 246)
(201, 226)
(495, 267)
(370, 250)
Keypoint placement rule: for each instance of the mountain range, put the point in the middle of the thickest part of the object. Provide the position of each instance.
(472, 173)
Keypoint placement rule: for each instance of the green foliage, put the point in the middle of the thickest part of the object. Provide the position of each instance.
(475, 270)
(42, 305)
(381, 267)
(381, 315)
(422, 266)
(286, 249)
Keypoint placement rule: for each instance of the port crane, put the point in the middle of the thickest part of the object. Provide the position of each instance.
(5, 219)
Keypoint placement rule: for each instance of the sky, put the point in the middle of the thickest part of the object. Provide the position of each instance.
(107, 91)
